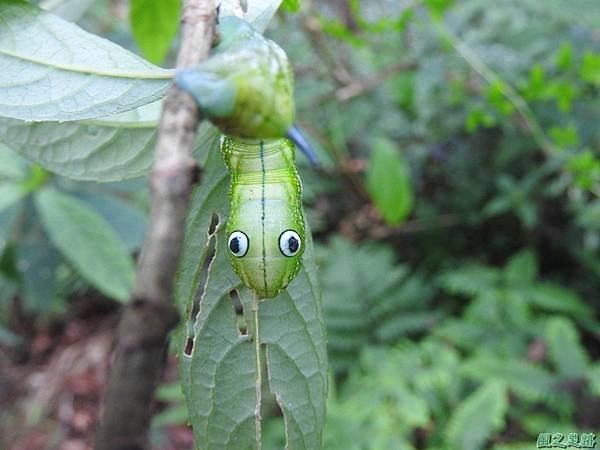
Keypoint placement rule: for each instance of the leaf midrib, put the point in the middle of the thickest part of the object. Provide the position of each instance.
(162, 74)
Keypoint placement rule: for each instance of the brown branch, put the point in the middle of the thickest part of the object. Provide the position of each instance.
(150, 316)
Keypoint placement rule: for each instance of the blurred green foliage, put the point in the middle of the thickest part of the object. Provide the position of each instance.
(58, 237)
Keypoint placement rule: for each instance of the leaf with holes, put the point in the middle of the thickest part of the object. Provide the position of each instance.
(218, 358)
(99, 149)
(53, 70)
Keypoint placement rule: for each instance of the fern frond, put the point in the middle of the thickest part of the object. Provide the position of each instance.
(529, 382)
(478, 417)
(401, 325)
(470, 280)
(551, 297)
(565, 349)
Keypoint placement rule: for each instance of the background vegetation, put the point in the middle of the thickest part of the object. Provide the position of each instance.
(456, 219)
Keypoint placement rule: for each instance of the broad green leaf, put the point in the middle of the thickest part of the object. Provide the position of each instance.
(258, 12)
(52, 70)
(71, 10)
(590, 68)
(87, 242)
(564, 347)
(219, 374)
(553, 297)
(292, 329)
(10, 193)
(154, 24)
(522, 268)
(108, 149)
(11, 164)
(128, 222)
(475, 420)
(388, 182)
(291, 5)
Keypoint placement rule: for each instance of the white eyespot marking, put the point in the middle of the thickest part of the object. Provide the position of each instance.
(238, 244)
(289, 243)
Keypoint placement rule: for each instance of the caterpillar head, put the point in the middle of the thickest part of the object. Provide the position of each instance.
(246, 86)
(266, 252)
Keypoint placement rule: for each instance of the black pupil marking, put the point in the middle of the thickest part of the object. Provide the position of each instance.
(234, 245)
(293, 244)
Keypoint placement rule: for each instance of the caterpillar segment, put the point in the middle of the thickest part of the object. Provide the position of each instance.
(266, 232)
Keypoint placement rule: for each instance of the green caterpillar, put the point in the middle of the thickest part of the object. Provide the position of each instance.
(246, 89)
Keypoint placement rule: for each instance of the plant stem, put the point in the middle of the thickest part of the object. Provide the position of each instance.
(256, 338)
(150, 315)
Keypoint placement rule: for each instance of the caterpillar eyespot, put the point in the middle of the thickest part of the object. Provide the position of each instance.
(289, 243)
(238, 244)
(265, 197)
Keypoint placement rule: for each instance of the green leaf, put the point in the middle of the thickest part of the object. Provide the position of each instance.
(585, 167)
(154, 24)
(593, 375)
(291, 5)
(478, 417)
(565, 349)
(388, 182)
(590, 68)
(526, 380)
(589, 217)
(553, 297)
(522, 268)
(11, 165)
(219, 373)
(66, 73)
(87, 241)
(110, 149)
(258, 12)
(565, 137)
(71, 10)
(128, 222)
(537, 83)
(10, 193)
(564, 56)
(470, 280)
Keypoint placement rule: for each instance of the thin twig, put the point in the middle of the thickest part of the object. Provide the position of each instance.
(150, 316)
(362, 86)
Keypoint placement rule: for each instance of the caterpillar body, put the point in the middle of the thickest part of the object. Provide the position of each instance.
(265, 229)
(246, 89)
